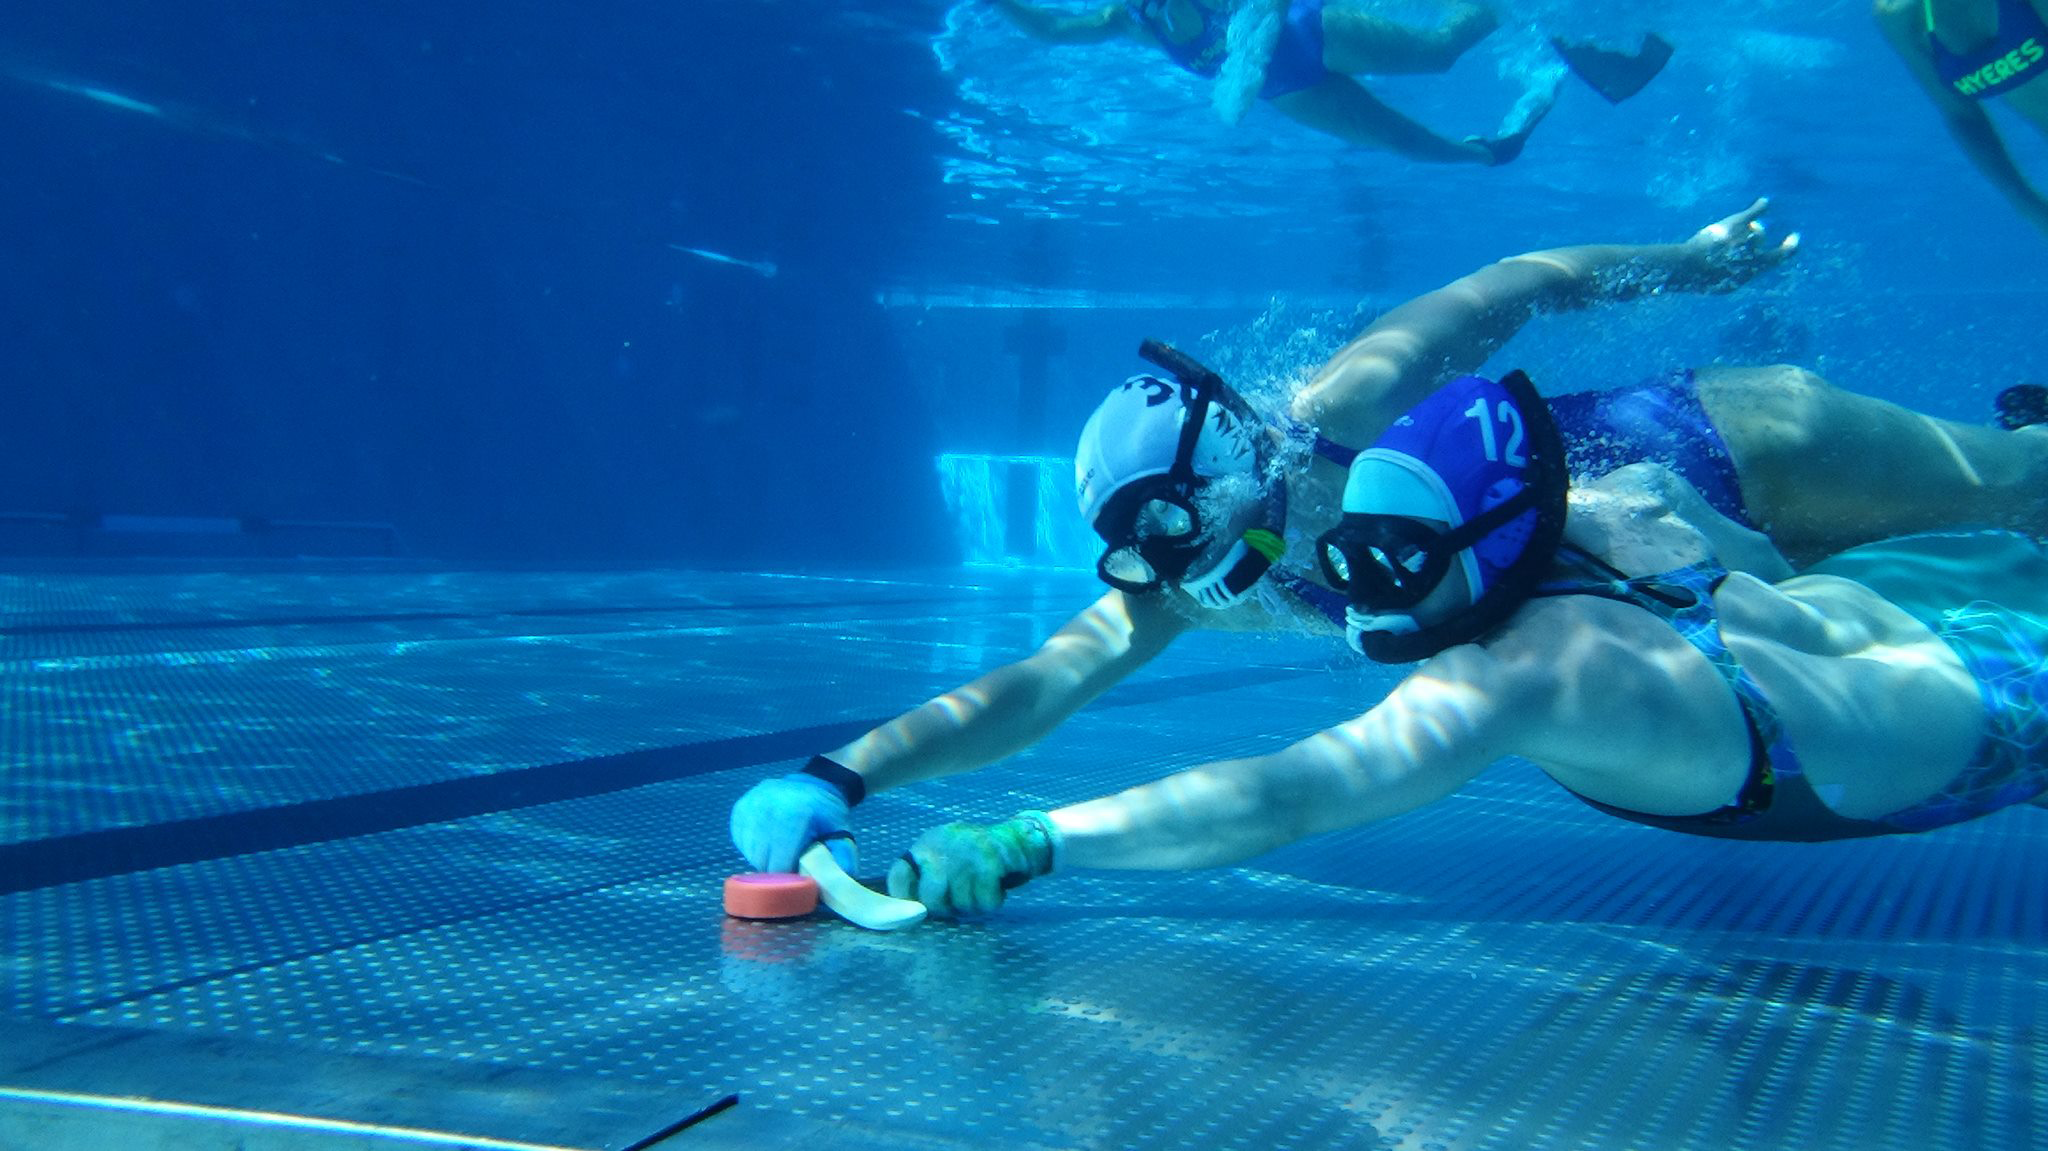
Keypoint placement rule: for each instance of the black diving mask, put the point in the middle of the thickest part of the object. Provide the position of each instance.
(1163, 541)
(1390, 563)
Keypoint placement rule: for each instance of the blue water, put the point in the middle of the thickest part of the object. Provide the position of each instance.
(538, 311)
(423, 266)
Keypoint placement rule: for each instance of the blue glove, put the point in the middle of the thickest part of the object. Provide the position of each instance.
(777, 819)
(964, 868)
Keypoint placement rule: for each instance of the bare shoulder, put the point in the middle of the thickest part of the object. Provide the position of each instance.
(1548, 651)
(1535, 671)
(1581, 642)
(1610, 699)
(1636, 519)
(1647, 485)
(1500, 692)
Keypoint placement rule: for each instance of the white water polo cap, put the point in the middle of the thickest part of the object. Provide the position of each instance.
(1146, 475)
(1475, 476)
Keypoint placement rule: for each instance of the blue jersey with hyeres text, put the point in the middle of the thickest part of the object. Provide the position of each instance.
(2017, 53)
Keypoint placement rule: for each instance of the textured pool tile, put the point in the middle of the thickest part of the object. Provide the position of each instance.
(1506, 970)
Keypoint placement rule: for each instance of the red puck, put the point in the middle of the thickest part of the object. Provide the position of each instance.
(770, 895)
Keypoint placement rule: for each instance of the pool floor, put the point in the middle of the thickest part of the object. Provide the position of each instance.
(381, 858)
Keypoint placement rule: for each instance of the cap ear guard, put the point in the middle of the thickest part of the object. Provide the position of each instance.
(1392, 562)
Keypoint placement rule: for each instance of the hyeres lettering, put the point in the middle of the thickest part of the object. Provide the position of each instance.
(2014, 63)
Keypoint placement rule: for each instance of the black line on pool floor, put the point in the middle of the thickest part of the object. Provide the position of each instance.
(39, 863)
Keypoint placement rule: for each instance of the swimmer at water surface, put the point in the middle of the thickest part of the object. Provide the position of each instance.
(1300, 57)
(1967, 53)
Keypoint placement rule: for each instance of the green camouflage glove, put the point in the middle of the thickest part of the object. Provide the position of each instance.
(964, 868)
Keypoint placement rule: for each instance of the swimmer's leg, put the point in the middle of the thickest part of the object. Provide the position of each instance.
(1521, 121)
(1341, 107)
(1822, 469)
(1357, 41)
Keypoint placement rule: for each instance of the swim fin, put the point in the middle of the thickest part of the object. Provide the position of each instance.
(1616, 75)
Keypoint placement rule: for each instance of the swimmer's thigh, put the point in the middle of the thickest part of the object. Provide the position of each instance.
(1824, 469)
(1356, 41)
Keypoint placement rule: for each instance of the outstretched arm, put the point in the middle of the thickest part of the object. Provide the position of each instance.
(1417, 347)
(1435, 731)
(1003, 712)
(1609, 700)
(1055, 26)
(1016, 705)
(1966, 119)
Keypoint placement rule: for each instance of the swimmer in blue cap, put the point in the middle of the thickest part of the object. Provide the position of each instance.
(1466, 490)
(1300, 57)
(1968, 53)
(1214, 515)
(1899, 687)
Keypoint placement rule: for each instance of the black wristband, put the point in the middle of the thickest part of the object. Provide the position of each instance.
(845, 779)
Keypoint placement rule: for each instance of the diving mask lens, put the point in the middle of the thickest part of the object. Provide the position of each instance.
(1383, 563)
(1165, 520)
(1336, 567)
(1126, 568)
(1164, 537)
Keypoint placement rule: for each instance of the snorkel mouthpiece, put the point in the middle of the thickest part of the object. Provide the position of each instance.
(1360, 623)
(1212, 588)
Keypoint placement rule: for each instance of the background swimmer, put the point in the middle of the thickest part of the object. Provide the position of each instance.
(1968, 52)
(1303, 54)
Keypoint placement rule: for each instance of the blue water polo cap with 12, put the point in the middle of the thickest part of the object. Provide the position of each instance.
(1472, 477)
